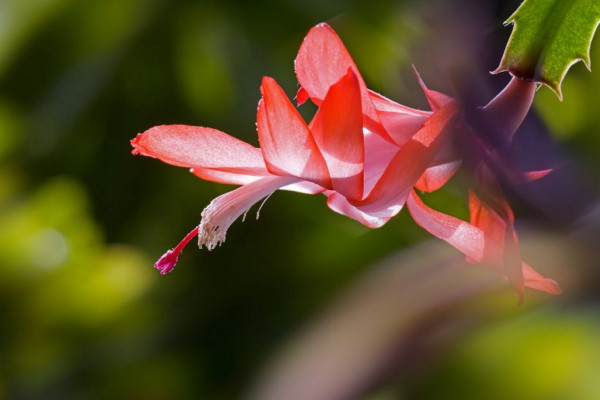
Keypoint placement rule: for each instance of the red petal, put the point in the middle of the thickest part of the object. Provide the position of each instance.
(465, 237)
(437, 176)
(286, 142)
(409, 163)
(321, 62)
(535, 280)
(337, 129)
(400, 122)
(487, 220)
(197, 147)
(471, 241)
(383, 104)
(502, 235)
(340, 204)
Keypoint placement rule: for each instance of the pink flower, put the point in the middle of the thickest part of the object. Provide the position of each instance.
(364, 152)
(331, 155)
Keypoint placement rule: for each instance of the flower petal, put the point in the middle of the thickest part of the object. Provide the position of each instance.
(337, 130)
(502, 248)
(535, 280)
(321, 62)
(198, 147)
(340, 205)
(466, 237)
(470, 240)
(391, 190)
(400, 122)
(239, 179)
(378, 154)
(286, 142)
(437, 176)
(227, 177)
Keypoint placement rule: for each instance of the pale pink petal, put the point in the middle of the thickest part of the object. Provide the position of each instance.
(227, 177)
(198, 147)
(392, 189)
(401, 127)
(471, 241)
(383, 104)
(218, 216)
(502, 236)
(465, 237)
(378, 154)
(535, 280)
(340, 204)
(304, 187)
(437, 176)
(337, 130)
(508, 109)
(286, 142)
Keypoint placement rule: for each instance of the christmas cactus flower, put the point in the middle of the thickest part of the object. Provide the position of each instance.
(366, 153)
(332, 155)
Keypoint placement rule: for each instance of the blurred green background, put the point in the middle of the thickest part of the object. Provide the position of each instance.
(83, 314)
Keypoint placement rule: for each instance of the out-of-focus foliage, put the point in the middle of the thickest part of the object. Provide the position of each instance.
(517, 359)
(83, 313)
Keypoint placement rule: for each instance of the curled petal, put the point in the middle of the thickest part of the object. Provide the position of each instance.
(465, 237)
(437, 176)
(340, 205)
(400, 122)
(409, 163)
(478, 245)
